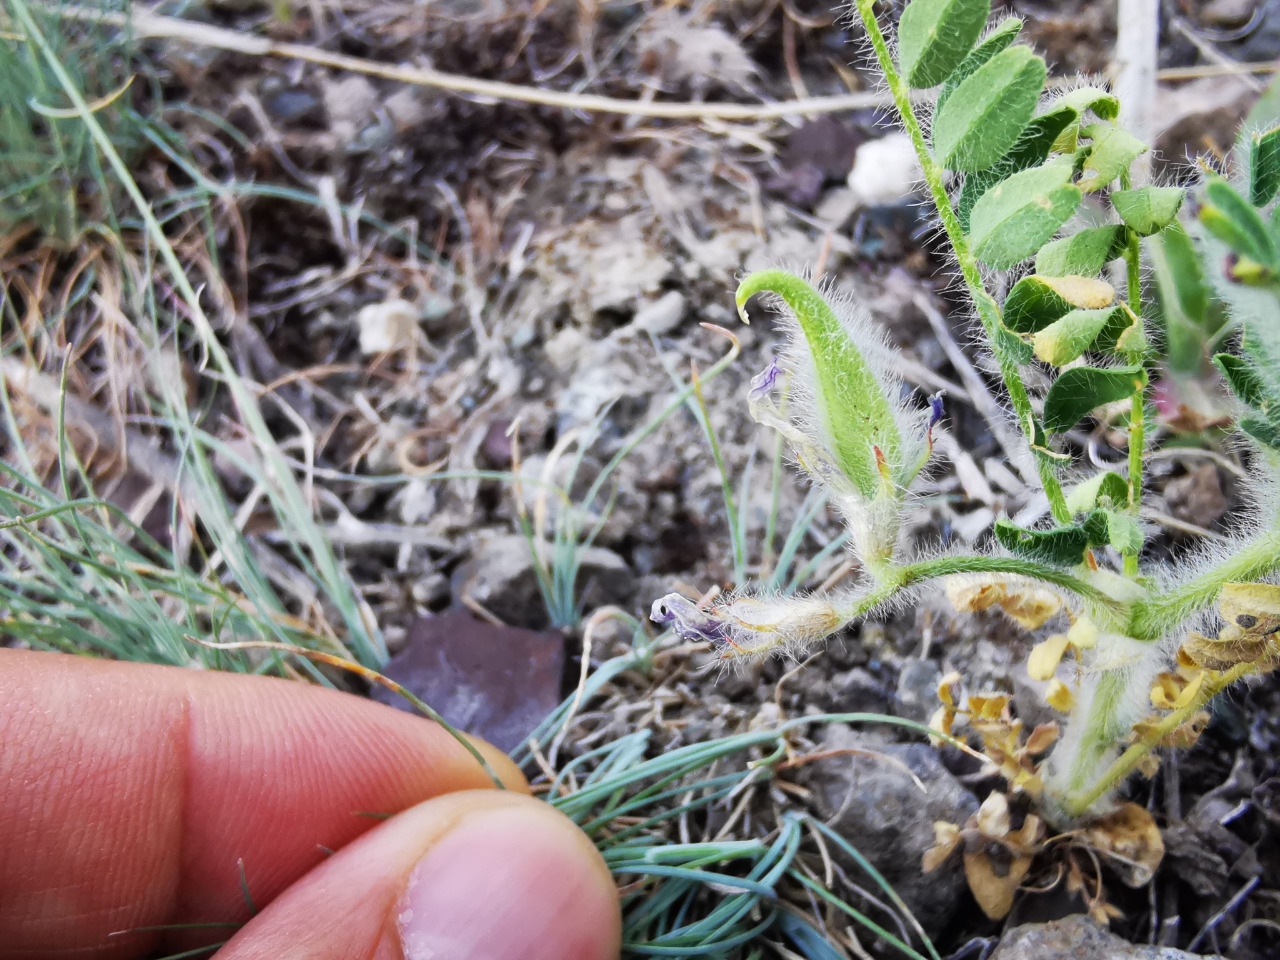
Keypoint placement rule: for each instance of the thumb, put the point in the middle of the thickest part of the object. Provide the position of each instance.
(476, 875)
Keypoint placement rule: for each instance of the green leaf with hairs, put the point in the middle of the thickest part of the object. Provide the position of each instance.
(856, 416)
(1062, 546)
(1036, 301)
(1072, 334)
(1264, 167)
(1243, 379)
(1255, 380)
(1082, 254)
(1015, 218)
(1095, 100)
(1079, 391)
(1032, 148)
(1101, 488)
(1079, 102)
(1188, 310)
(1124, 533)
(1111, 152)
(999, 39)
(985, 115)
(1237, 223)
(1148, 210)
(935, 36)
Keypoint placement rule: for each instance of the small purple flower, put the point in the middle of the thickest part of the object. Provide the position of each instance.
(762, 383)
(689, 622)
(935, 417)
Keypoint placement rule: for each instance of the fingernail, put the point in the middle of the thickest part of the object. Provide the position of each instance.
(509, 883)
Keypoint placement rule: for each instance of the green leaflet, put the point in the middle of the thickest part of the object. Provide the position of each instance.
(1078, 102)
(1234, 221)
(934, 37)
(1000, 38)
(1032, 148)
(1071, 335)
(1107, 486)
(1256, 384)
(1079, 391)
(856, 416)
(1243, 379)
(983, 118)
(1264, 167)
(1083, 253)
(1190, 313)
(1124, 533)
(1112, 151)
(1148, 210)
(1095, 100)
(1062, 546)
(1036, 301)
(1015, 218)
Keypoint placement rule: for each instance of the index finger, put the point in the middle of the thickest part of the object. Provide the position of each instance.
(139, 796)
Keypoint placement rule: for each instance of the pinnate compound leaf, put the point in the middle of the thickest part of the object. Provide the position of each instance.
(985, 115)
(1062, 546)
(1264, 167)
(1082, 254)
(935, 36)
(1112, 151)
(1079, 391)
(1015, 218)
(1036, 301)
(1148, 210)
(856, 416)
(1000, 38)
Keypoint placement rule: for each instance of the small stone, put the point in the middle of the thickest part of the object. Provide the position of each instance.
(882, 811)
(660, 316)
(1077, 938)
(351, 103)
(917, 695)
(292, 105)
(1197, 497)
(497, 683)
(858, 690)
(386, 326)
(407, 108)
(884, 171)
(1228, 13)
(496, 448)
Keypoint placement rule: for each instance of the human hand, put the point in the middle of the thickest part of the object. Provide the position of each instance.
(130, 795)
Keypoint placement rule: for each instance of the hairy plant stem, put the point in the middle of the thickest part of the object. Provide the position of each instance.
(1100, 729)
(988, 309)
(946, 566)
(1077, 804)
(1138, 404)
(890, 579)
(1153, 619)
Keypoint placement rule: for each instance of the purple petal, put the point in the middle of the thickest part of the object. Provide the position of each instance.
(762, 383)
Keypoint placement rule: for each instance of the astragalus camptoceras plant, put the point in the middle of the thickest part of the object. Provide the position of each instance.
(1007, 167)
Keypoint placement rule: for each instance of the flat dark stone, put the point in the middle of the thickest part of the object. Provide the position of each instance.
(494, 682)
